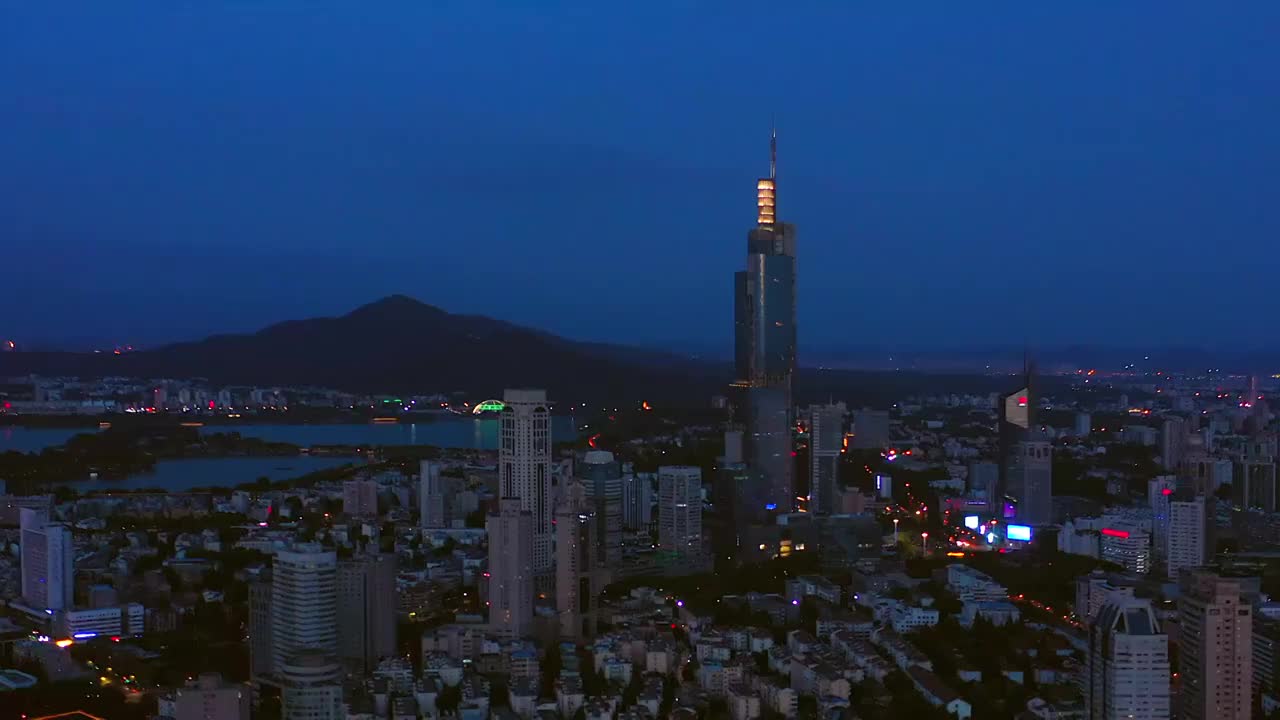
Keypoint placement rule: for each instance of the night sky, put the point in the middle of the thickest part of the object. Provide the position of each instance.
(960, 175)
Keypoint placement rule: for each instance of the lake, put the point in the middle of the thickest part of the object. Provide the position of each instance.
(179, 475)
(473, 433)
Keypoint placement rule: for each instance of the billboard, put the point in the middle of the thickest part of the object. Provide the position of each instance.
(1018, 532)
(971, 522)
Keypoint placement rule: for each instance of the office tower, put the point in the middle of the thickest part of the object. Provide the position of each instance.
(431, 500)
(209, 698)
(870, 429)
(261, 659)
(311, 687)
(1084, 424)
(360, 498)
(1127, 546)
(680, 509)
(1189, 540)
(577, 563)
(366, 610)
(1031, 481)
(1127, 677)
(1159, 491)
(524, 465)
(511, 540)
(1215, 648)
(729, 493)
(637, 500)
(984, 480)
(304, 603)
(1173, 443)
(1016, 416)
(826, 439)
(48, 557)
(765, 349)
(601, 477)
(1254, 485)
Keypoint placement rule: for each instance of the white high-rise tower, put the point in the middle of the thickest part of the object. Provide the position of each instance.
(524, 465)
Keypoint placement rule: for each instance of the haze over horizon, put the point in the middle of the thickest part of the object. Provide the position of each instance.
(960, 177)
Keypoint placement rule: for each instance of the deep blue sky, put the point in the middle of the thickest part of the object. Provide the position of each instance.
(960, 174)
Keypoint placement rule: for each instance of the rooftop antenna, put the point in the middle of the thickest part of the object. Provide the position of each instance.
(773, 149)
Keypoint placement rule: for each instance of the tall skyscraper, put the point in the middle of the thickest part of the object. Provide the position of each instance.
(1215, 648)
(1127, 676)
(578, 580)
(48, 558)
(826, 439)
(1173, 443)
(765, 349)
(431, 500)
(1031, 481)
(366, 609)
(524, 465)
(637, 500)
(511, 569)
(1190, 537)
(1016, 416)
(680, 509)
(304, 603)
(984, 480)
(601, 477)
(1159, 492)
(261, 657)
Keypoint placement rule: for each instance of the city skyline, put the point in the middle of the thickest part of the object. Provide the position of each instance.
(923, 165)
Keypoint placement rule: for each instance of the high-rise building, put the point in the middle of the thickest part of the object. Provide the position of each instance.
(1173, 443)
(578, 580)
(366, 609)
(431, 499)
(1254, 484)
(304, 603)
(826, 440)
(1127, 677)
(261, 658)
(209, 698)
(524, 465)
(360, 498)
(511, 570)
(48, 559)
(765, 349)
(1190, 537)
(984, 481)
(1031, 481)
(601, 478)
(1215, 648)
(680, 509)
(1016, 417)
(637, 500)
(1159, 492)
(870, 429)
(311, 687)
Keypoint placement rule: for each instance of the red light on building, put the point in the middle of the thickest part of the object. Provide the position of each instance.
(1166, 491)
(1110, 532)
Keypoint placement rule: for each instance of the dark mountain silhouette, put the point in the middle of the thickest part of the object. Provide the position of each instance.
(401, 345)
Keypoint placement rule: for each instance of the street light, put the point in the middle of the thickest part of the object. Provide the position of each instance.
(924, 542)
(895, 531)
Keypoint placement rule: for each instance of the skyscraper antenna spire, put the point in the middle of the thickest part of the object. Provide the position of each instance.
(773, 149)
